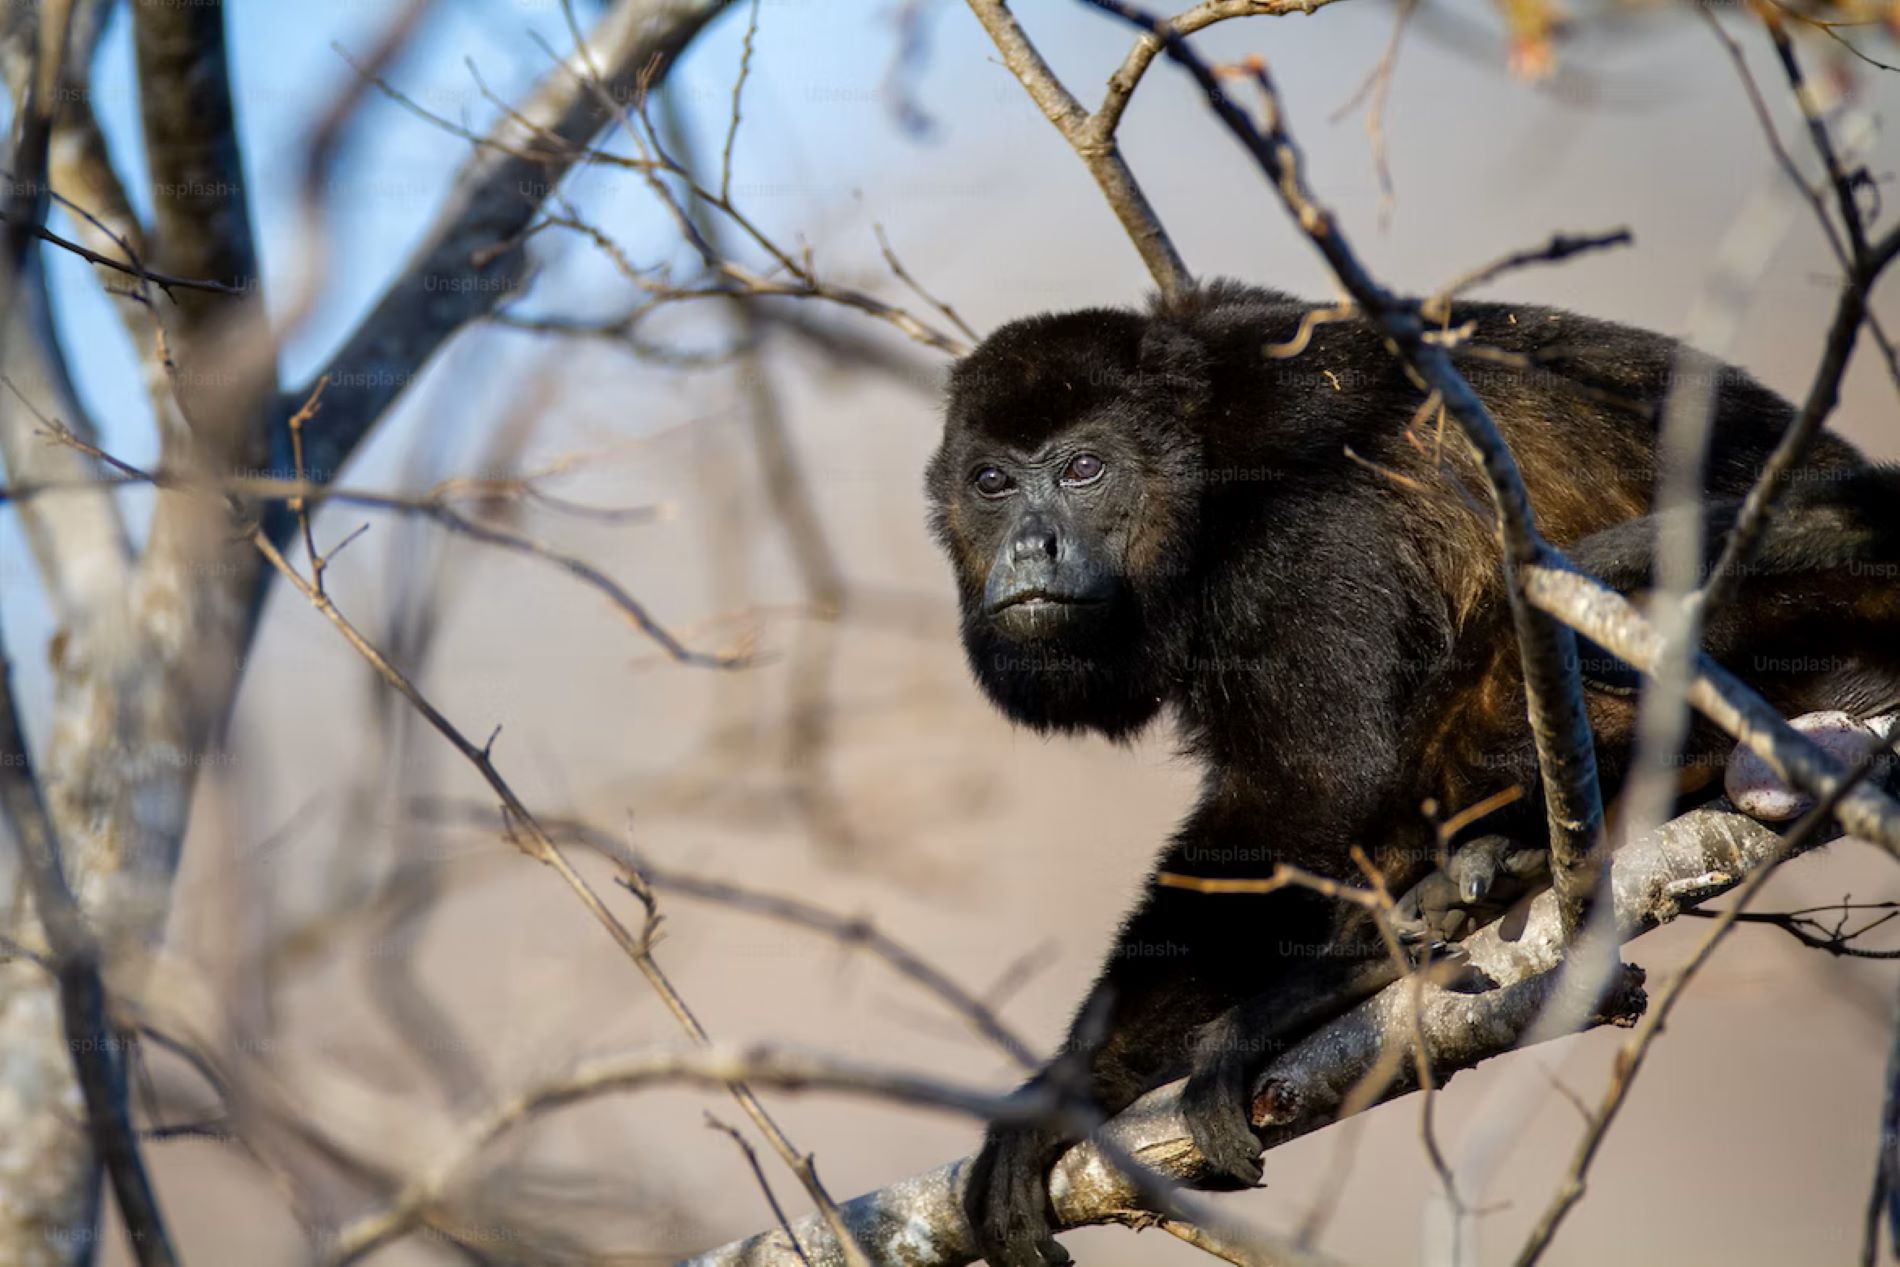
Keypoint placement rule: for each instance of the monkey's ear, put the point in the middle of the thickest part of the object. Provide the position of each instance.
(1176, 364)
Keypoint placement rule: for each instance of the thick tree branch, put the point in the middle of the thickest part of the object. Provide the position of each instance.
(91, 1044)
(87, 186)
(202, 227)
(141, 685)
(97, 1050)
(201, 208)
(79, 542)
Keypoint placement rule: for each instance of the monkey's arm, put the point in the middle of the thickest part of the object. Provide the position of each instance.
(1208, 983)
(1303, 764)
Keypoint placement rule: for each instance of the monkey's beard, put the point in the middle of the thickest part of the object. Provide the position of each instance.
(1068, 671)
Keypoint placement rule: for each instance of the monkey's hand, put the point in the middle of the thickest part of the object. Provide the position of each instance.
(1218, 1095)
(1480, 882)
(1006, 1197)
(1232, 1049)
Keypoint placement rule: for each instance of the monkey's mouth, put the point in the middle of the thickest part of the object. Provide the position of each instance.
(1033, 600)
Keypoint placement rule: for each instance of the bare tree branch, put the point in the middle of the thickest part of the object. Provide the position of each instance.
(143, 684)
(1839, 940)
(1864, 262)
(164, 281)
(440, 505)
(79, 543)
(475, 256)
(711, 1067)
(201, 219)
(1093, 139)
(1128, 76)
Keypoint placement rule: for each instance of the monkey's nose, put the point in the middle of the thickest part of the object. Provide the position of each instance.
(1036, 537)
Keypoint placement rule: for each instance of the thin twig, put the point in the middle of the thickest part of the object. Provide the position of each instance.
(751, 1154)
(527, 834)
(1864, 263)
(438, 505)
(1093, 139)
(1378, 85)
(738, 94)
(164, 281)
(298, 505)
(1804, 928)
(1562, 246)
(858, 932)
(1809, 193)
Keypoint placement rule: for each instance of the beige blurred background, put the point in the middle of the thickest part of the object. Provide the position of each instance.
(1748, 1140)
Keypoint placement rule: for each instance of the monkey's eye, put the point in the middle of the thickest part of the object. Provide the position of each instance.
(993, 481)
(1084, 468)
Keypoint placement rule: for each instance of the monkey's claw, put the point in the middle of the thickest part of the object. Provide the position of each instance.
(1226, 1142)
(1480, 882)
(1215, 1103)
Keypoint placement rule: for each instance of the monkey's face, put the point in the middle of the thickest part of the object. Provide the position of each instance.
(1054, 526)
(1042, 544)
(1063, 493)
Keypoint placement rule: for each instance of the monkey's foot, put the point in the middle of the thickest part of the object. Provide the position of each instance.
(1759, 792)
(1216, 1105)
(1484, 879)
(1006, 1199)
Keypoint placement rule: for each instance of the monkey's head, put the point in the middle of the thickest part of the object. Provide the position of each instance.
(1066, 492)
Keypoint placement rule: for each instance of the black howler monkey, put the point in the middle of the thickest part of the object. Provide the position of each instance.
(1151, 510)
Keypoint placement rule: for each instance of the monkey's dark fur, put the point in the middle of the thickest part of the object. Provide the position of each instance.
(1283, 554)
